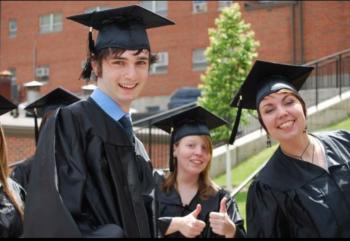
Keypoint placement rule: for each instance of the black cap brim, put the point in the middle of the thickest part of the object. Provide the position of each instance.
(260, 75)
(54, 99)
(6, 105)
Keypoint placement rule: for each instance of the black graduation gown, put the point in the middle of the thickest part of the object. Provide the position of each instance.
(10, 219)
(88, 182)
(21, 172)
(295, 199)
(170, 205)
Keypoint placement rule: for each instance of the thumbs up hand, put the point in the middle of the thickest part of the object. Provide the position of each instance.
(221, 223)
(189, 225)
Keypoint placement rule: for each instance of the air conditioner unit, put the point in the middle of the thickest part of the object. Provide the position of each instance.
(42, 71)
(200, 7)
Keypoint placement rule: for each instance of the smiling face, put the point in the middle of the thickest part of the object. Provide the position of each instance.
(123, 76)
(283, 115)
(193, 154)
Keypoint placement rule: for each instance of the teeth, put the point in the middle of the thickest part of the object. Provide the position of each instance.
(128, 86)
(286, 124)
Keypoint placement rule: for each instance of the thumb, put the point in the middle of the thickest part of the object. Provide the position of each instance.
(223, 208)
(196, 212)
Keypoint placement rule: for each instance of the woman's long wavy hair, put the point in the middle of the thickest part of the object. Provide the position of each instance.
(5, 173)
(206, 186)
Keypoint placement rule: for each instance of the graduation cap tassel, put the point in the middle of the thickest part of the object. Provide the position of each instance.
(235, 126)
(86, 73)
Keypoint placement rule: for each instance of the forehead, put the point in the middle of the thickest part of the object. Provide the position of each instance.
(279, 95)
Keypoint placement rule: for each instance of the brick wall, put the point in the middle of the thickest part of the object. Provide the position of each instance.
(19, 147)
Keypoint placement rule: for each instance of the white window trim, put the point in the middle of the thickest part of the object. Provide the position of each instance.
(198, 63)
(199, 6)
(224, 4)
(52, 26)
(42, 72)
(162, 63)
(154, 8)
(13, 28)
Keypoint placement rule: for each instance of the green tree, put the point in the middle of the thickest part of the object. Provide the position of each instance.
(230, 56)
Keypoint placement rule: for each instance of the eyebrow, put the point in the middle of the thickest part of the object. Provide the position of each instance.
(285, 96)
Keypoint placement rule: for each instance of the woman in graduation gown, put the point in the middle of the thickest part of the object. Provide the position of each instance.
(190, 204)
(304, 189)
(11, 193)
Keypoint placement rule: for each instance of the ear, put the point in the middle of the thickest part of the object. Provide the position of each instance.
(94, 66)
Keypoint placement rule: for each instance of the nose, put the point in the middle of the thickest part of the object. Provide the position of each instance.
(130, 72)
(281, 111)
(198, 151)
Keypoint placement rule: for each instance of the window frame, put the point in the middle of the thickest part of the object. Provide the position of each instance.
(202, 63)
(155, 7)
(12, 33)
(160, 67)
(53, 26)
(199, 6)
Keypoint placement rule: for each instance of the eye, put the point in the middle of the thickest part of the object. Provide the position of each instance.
(289, 101)
(268, 110)
(118, 62)
(142, 63)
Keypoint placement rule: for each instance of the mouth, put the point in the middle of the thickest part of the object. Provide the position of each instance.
(286, 125)
(197, 162)
(127, 86)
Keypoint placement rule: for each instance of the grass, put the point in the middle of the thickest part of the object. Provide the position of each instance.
(247, 167)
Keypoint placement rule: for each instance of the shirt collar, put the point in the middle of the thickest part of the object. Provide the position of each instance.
(108, 105)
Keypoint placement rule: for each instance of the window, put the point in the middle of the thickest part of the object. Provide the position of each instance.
(199, 6)
(96, 9)
(223, 4)
(42, 73)
(12, 28)
(51, 23)
(199, 61)
(161, 66)
(159, 7)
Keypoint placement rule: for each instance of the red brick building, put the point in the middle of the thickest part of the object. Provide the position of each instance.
(38, 42)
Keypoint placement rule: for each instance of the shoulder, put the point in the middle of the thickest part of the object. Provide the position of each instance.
(337, 140)
(338, 135)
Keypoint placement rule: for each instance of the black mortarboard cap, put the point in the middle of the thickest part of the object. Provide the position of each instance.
(185, 122)
(50, 102)
(263, 79)
(123, 27)
(6, 105)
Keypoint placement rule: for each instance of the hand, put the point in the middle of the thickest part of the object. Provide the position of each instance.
(189, 225)
(221, 223)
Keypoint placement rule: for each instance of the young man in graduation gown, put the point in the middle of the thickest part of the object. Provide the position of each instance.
(94, 178)
(43, 107)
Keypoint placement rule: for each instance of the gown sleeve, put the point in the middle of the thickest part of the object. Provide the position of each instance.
(45, 214)
(264, 216)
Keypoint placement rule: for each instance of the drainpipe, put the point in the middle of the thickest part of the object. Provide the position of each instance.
(301, 27)
(292, 24)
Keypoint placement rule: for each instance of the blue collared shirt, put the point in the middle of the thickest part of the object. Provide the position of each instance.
(108, 105)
